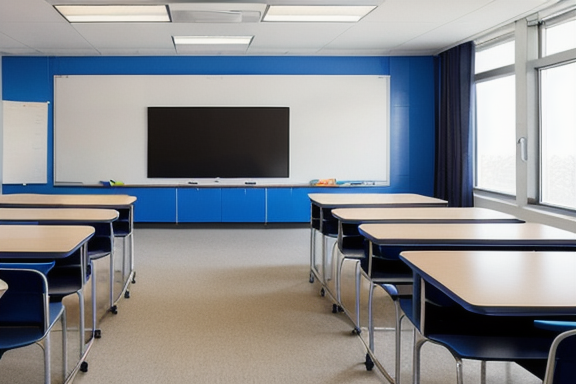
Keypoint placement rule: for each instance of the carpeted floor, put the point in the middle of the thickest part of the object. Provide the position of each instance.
(234, 305)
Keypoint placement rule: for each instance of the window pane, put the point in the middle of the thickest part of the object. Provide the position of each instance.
(560, 37)
(496, 135)
(558, 157)
(494, 57)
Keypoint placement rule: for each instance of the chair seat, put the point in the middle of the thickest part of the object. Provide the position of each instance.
(555, 325)
(12, 337)
(499, 348)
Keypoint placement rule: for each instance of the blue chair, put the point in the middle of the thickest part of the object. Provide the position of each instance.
(382, 268)
(472, 336)
(26, 315)
(561, 366)
(100, 246)
(555, 325)
(66, 278)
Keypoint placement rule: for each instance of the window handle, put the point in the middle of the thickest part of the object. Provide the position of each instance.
(523, 149)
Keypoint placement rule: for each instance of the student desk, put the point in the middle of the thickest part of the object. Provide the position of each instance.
(70, 216)
(351, 242)
(20, 243)
(499, 284)
(123, 227)
(322, 221)
(386, 241)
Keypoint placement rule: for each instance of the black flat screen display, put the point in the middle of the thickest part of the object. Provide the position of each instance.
(218, 142)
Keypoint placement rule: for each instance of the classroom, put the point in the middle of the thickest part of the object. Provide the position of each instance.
(247, 198)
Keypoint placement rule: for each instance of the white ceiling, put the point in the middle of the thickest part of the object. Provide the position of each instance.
(395, 27)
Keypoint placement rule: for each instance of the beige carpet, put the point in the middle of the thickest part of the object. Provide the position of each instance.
(233, 305)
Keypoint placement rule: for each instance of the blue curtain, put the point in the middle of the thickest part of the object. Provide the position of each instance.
(454, 155)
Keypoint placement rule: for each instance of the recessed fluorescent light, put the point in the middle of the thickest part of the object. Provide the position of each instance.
(317, 13)
(114, 13)
(212, 40)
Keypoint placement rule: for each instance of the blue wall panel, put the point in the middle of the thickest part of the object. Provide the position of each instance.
(412, 112)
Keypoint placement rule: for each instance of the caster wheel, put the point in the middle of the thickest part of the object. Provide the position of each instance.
(369, 363)
(127, 294)
(356, 331)
(114, 310)
(311, 278)
(97, 334)
(322, 292)
(335, 308)
(84, 366)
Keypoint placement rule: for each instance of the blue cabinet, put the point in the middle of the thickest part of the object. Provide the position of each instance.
(199, 205)
(153, 205)
(288, 205)
(243, 205)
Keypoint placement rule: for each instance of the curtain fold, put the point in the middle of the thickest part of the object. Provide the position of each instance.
(454, 178)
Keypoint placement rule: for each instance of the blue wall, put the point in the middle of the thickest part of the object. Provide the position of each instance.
(412, 96)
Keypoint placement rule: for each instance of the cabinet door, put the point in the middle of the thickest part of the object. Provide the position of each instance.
(288, 205)
(199, 205)
(153, 205)
(243, 205)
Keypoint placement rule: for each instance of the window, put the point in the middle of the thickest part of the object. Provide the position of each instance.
(495, 57)
(496, 135)
(558, 131)
(557, 81)
(559, 37)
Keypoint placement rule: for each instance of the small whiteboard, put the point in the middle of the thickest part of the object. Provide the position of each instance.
(25, 142)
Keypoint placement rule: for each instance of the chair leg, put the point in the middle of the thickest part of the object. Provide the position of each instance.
(94, 301)
(399, 316)
(371, 317)
(81, 325)
(64, 345)
(47, 370)
(459, 373)
(419, 341)
(339, 267)
(483, 372)
(357, 281)
(312, 255)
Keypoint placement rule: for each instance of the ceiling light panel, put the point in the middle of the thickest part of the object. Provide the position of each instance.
(114, 13)
(317, 13)
(206, 45)
(204, 40)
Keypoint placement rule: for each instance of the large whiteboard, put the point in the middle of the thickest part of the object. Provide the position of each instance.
(339, 125)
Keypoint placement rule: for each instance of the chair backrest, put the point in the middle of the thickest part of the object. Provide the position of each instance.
(26, 300)
(102, 242)
(561, 368)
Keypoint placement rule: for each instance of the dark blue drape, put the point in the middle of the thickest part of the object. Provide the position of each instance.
(454, 155)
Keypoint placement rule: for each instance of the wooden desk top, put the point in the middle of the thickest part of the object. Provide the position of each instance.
(474, 234)
(84, 215)
(344, 200)
(422, 215)
(501, 282)
(48, 200)
(42, 241)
